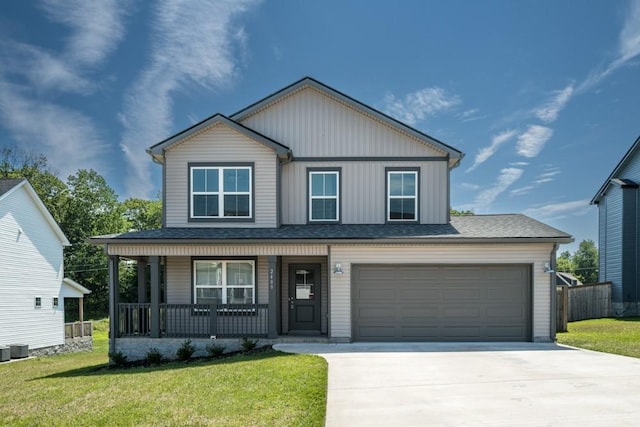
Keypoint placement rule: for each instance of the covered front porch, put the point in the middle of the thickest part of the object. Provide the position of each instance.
(220, 293)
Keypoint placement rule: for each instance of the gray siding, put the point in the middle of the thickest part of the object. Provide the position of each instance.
(220, 144)
(613, 241)
(629, 245)
(363, 198)
(602, 239)
(313, 124)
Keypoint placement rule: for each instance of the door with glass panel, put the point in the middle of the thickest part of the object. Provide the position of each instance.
(304, 298)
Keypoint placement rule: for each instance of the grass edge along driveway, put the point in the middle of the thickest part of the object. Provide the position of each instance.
(264, 389)
(617, 336)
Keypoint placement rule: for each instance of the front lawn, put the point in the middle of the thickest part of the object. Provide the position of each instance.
(263, 389)
(617, 336)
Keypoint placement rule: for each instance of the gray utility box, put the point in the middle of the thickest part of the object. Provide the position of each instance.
(5, 354)
(19, 351)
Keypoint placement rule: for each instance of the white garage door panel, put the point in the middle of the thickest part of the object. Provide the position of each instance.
(441, 303)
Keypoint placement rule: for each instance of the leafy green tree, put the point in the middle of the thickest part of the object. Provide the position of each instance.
(585, 261)
(463, 212)
(143, 214)
(93, 209)
(564, 262)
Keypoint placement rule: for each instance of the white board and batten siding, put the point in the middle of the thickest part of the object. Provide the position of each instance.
(363, 187)
(314, 124)
(533, 254)
(221, 144)
(31, 265)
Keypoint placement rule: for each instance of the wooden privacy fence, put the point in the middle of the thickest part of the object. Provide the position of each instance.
(592, 301)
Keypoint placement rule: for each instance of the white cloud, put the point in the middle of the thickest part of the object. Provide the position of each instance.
(506, 178)
(194, 43)
(552, 211)
(485, 153)
(420, 104)
(469, 186)
(628, 47)
(68, 139)
(522, 190)
(519, 164)
(97, 27)
(549, 112)
(532, 141)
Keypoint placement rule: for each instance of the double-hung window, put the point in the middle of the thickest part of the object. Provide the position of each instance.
(219, 192)
(402, 195)
(324, 195)
(224, 282)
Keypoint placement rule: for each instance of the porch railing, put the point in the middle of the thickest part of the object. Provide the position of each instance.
(195, 320)
(78, 329)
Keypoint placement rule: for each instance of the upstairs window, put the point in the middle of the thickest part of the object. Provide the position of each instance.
(324, 196)
(402, 195)
(219, 192)
(224, 282)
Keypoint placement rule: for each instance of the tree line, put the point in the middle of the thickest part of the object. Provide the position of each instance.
(583, 264)
(84, 205)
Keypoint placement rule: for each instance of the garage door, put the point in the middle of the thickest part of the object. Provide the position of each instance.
(441, 303)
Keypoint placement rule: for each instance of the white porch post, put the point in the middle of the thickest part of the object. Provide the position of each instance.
(273, 296)
(114, 297)
(154, 263)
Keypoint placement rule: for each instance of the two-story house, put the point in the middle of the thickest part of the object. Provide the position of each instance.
(618, 227)
(311, 215)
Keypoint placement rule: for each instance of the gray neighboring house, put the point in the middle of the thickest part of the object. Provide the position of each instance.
(311, 216)
(618, 227)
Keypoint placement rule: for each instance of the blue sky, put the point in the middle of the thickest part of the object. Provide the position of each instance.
(542, 96)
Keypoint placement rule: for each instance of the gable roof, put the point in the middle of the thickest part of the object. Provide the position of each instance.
(10, 186)
(157, 150)
(74, 288)
(630, 154)
(454, 155)
(466, 228)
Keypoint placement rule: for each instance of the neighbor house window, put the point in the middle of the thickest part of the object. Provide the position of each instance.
(224, 282)
(55, 302)
(37, 302)
(221, 192)
(324, 197)
(402, 195)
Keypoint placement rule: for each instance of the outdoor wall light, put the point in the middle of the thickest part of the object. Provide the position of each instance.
(337, 269)
(547, 268)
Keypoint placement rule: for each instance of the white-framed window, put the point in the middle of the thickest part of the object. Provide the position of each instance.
(55, 302)
(224, 281)
(37, 302)
(402, 195)
(221, 192)
(324, 196)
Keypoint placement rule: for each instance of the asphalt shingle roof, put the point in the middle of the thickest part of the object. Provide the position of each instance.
(7, 184)
(509, 226)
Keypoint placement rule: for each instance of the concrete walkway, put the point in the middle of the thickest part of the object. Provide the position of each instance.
(468, 384)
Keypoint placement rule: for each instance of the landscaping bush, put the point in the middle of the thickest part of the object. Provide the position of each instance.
(153, 356)
(215, 350)
(248, 344)
(185, 351)
(118, 359)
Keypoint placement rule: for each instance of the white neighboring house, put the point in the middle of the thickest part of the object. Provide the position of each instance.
(32, 284)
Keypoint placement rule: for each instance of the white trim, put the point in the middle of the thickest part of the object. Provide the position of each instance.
(222, 279)
(402, 197)
(336, 197)
(220, 193)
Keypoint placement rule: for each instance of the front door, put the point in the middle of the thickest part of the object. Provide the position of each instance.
(304, 298)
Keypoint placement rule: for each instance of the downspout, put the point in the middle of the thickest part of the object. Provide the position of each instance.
(554, 298)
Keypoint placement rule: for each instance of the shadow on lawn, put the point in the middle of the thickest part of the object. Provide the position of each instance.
(140, 368)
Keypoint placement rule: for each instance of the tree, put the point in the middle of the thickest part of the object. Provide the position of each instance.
(143, 214)
(463, 212)
(585, 260)
(583, 263)
(92, 209)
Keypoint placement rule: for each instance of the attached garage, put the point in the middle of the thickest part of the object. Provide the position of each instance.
(418, 302)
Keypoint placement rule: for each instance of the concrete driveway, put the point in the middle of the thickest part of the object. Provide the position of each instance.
(463, 384)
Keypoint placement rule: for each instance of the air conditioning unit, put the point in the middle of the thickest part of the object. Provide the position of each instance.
(5, 354)
(19, 351)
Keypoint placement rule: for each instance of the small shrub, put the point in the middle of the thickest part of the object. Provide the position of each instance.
(215, 350)
(118, 359)
(248, 344)
(154, 357)
(185, 351)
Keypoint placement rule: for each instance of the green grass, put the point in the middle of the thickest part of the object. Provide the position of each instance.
(617, 336)
(263, 389)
